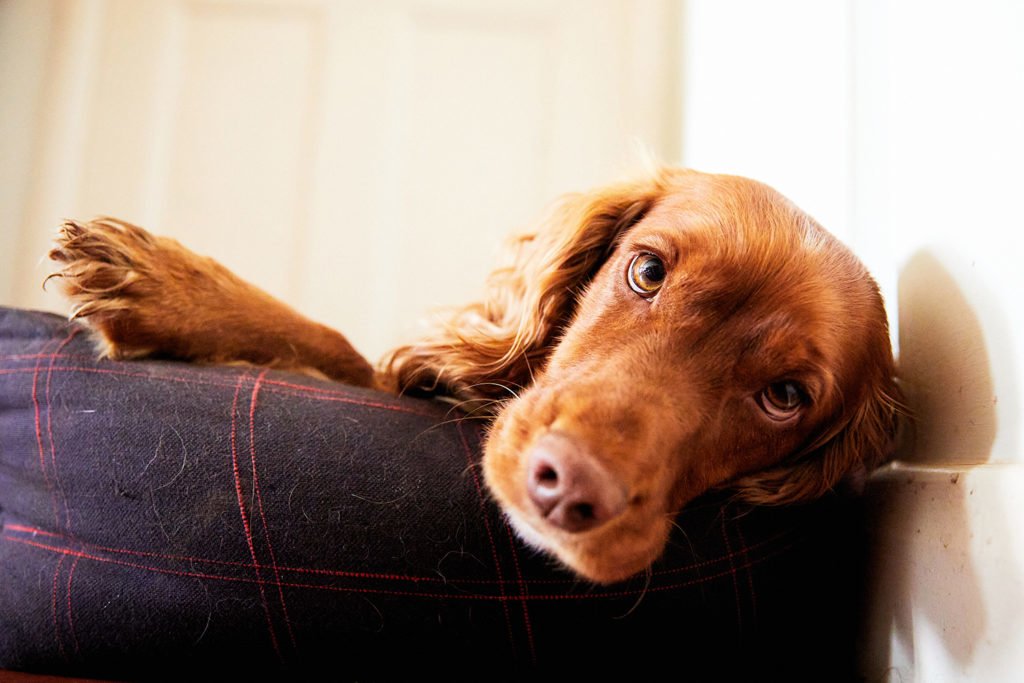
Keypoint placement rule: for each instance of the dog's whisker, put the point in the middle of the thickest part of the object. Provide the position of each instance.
(648, 575)
(682, 532)
(500, 385)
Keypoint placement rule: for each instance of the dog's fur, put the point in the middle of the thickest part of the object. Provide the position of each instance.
(665, 394)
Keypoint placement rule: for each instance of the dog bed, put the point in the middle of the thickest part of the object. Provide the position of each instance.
(164, 520)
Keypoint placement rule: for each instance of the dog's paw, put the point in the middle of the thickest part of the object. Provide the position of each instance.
(109, 270)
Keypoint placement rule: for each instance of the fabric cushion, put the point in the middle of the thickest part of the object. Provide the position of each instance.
(161, 519)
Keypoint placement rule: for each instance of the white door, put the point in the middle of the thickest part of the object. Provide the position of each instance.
(360, 160)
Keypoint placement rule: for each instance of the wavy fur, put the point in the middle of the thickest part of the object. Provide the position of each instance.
(660, 394)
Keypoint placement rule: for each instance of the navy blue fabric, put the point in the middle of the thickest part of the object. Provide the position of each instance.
(161, 520)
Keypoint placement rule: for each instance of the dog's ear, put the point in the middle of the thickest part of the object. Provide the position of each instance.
(850, 449)
(489, 349)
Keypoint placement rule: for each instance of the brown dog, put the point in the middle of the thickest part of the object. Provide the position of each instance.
(649, 342)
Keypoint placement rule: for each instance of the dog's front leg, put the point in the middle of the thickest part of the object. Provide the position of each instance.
(149, 296)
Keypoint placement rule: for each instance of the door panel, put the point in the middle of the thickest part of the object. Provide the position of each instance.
(362, 161)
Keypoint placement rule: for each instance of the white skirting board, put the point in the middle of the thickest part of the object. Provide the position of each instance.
(946, 574)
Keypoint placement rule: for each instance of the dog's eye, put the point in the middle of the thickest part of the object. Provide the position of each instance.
(646, 274)
(781, 400)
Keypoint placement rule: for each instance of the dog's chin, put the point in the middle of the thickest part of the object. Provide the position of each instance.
(599, 555)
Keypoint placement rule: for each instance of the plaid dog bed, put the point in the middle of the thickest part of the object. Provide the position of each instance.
(163, 520)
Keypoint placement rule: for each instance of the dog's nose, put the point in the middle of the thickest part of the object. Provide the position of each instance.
(570, 489)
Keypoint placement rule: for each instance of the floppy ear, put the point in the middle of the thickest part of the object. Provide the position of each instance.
(854, 448)
(490, 348)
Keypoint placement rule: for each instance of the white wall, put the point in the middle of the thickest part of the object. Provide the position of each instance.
(767, 96)
(900, 125)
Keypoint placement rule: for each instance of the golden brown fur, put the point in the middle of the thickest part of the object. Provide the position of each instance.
(664, 394)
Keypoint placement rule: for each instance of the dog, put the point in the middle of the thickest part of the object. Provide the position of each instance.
(648, 342)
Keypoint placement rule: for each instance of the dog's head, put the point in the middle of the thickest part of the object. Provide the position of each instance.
(664, 338)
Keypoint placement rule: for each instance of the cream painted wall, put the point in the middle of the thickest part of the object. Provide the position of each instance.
(899, 124)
